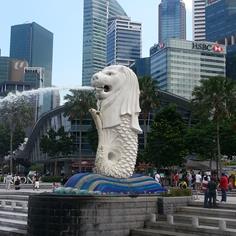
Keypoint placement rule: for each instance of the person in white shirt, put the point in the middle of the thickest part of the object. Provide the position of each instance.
(157, 177)
(198, 183)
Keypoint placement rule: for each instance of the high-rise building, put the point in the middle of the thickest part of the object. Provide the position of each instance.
(96, 14)
(221, 28)
(34, 76)
(123, 41)
(179, 65)
(199, 33)
(172, 20)
(12, 69)
(33, 43)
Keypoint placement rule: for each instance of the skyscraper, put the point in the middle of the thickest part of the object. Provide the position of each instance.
(123, 41)
(221, 28)
(199, 20)
(172, 20)
(179, 65)
(96, 14)
(33, 43)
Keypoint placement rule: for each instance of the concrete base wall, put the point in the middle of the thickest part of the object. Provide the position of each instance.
(64, 215)
(169, 205)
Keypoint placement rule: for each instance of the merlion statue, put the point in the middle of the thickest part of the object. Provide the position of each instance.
(116, 120)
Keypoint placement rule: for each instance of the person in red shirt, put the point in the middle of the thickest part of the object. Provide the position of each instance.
(223, 186)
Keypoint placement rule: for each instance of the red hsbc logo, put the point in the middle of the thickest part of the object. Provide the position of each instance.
(207, 47)
(217, 48)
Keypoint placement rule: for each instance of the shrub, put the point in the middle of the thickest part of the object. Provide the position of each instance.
(51, 179)
(177, 192)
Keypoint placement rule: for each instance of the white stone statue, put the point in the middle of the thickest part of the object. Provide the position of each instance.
(116, 119)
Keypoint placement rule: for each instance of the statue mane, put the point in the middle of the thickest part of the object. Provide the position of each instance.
(117, 92)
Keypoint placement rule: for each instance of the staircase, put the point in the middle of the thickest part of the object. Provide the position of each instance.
(14, 208)
(13, 213)
(193, 220)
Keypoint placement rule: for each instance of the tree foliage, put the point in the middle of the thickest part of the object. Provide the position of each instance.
(215, 100)
(77, 106)
(18, 138)
(56, 143)
(166, 140)
(78, 103)
(148, 100)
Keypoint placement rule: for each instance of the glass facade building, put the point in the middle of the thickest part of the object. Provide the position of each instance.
(141, 67)
(179, 65)
(96, 14)
(5, 67)
(172, 20)
(199, 23)
(221, 28)
(33, 43)
(123, 41)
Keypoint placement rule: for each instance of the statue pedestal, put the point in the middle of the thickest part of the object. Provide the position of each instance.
(136, 184)
(54, 214)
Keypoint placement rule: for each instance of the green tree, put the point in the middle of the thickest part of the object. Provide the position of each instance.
(56, 144)
(77, 106)
(200, 140)
(228, 137)
(15, 112)
(18, 138)
(166, 146)
(148, 101)
(215, 99)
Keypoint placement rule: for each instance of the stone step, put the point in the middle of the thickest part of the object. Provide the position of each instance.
(219, 205)
(204, 220)
(13, 215)
(14, 209)
(28, 186)
(154, 232)
(189, 229)
(18, 224)
(15, 197)
(11, 231)
(216, 212)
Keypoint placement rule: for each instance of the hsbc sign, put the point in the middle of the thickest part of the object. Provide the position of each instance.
(207, 47)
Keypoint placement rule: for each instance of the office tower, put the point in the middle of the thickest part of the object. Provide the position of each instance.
(221, 28)
(123, 41)
(179, 65)
(199, 20)
(172, 20)
(96, 14)
(34, 76)
(12, 69)
(141, 67)
(34, 44)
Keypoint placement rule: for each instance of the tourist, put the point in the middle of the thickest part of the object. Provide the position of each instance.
(198, 183)
(205, 190)
(212, 186)
(157, 177)
(224, 187)
(36, 182)
(17, 182)
(8, 181)
(176, 179)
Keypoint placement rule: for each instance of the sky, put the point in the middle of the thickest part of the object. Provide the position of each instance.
(65, 20)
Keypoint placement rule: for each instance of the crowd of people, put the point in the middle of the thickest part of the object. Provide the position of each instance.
(207, 183)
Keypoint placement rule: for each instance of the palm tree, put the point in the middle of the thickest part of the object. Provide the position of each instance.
(215, 100)
(77, 107)
(148, 101)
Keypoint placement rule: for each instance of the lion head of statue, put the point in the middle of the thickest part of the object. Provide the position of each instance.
(117, 93)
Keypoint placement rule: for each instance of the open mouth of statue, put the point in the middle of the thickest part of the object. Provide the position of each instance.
(105, 88)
